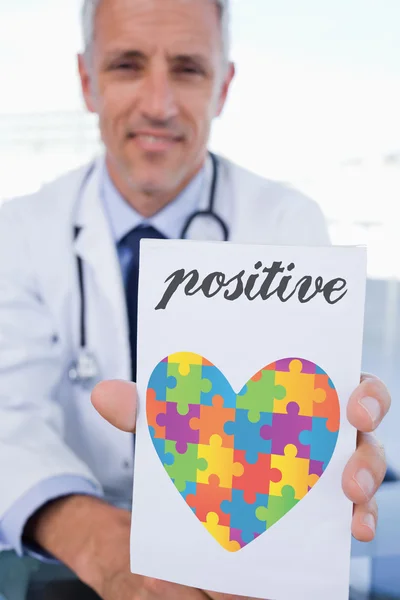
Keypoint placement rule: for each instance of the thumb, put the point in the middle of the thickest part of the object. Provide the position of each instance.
(116, 402)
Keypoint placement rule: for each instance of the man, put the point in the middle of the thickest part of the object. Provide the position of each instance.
(157, 73)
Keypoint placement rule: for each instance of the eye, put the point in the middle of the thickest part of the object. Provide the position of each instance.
(189, 70)
(125, 66)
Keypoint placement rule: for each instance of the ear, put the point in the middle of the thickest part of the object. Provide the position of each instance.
(86, 83)
(230, 74)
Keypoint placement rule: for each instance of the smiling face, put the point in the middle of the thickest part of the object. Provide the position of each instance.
(156, 77)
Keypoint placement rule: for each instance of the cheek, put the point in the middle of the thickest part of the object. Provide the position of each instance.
(115, 104)
(199, 108)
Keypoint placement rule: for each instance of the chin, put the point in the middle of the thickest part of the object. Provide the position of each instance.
(159, 186)
(157, 182)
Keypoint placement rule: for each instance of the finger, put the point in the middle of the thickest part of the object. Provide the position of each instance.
(368, 404)
(365, 518)
(365, 470)
(116, 402)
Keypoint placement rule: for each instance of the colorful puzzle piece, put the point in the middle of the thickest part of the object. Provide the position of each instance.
(259, 394)
(329, 408)
(247, 435)
(243, 514)
(177, 427)
(189, 385)
(212, 421)
(154, 409)
(160, 381)
(322, 441)
(294, 473)
(220, 462)
(220, 386)
(285, 429)
(256, 478)
(185, 467)
(207, 498)
(300, 388)
(221, 533)
(165, 457)
(277, 507)
(242, 460)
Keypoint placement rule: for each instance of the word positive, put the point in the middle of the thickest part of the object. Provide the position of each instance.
(264, 284)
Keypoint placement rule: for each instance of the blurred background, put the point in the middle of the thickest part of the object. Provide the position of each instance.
(315, 103)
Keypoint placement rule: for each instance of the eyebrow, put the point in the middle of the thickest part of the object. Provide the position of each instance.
(138, 55)
(124, 55)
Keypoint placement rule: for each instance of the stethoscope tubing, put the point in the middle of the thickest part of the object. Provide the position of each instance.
(209, 212)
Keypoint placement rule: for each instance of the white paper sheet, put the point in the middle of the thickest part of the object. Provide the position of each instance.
(305, 554)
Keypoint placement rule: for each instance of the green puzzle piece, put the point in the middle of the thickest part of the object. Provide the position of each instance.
(188, 387)
(185, 466)
(259, 395)
(278, 506)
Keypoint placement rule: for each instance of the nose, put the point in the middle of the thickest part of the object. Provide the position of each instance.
(158, 97)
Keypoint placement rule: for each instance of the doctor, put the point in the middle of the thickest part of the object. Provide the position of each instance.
(157, 73)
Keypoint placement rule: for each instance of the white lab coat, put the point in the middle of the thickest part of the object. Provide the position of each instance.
(48, 427)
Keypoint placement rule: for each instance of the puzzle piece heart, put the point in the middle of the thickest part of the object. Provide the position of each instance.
(241, 461)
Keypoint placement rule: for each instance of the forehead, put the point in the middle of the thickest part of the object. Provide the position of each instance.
(177, 25)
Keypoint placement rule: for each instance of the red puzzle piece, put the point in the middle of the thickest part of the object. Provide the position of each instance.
(208, 499)
(256, 478)
(155, 408)
(212, 420)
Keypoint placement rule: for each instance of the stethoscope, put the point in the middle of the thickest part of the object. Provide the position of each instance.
(84, 370)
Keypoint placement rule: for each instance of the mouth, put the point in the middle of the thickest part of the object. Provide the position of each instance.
(154, 142)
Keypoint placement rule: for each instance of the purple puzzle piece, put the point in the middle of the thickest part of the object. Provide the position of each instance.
(236, 536)
(285, 429)
(316, 468)
(177, 427)
(284, 364)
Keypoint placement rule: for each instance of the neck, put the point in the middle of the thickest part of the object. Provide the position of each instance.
(146, 203)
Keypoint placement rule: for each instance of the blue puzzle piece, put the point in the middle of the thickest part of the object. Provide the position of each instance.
(247, 435)
(243, 515)
(159, 444)
(219, 386)
(160, 381)
(322, 442)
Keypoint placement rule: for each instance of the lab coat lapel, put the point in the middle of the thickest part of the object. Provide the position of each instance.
(96, 247)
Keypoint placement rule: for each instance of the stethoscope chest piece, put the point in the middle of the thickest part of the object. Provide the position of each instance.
(85, 370)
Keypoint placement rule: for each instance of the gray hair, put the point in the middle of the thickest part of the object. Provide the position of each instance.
(89, 14)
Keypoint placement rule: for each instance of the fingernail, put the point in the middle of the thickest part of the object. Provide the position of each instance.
(373, 408)
(366, 482)
(369, 521)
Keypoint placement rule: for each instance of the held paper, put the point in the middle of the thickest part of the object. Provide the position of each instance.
(247, 356)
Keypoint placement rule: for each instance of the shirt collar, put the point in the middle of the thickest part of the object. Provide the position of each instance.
(169, 221)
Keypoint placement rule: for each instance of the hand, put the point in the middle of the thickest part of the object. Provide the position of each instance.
(363, 474)
(116, 402)
(366, 469)
(105, 567)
